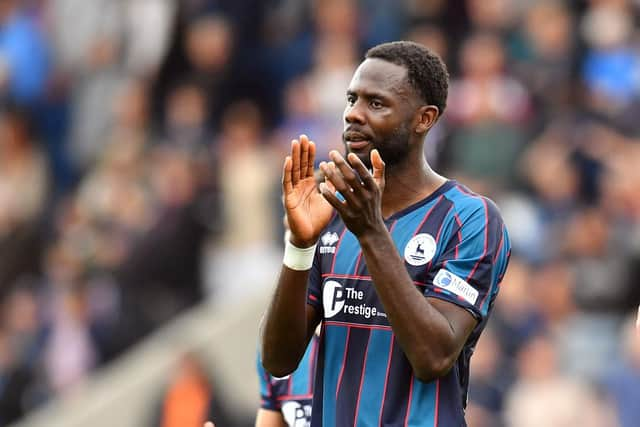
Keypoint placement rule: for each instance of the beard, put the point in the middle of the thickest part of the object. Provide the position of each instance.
(393, 148)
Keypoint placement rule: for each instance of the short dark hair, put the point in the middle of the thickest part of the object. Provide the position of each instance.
(425, 70)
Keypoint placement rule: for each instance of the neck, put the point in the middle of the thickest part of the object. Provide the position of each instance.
(407, 183)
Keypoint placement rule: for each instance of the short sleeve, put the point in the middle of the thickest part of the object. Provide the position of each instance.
(474, 260)
(268, 397)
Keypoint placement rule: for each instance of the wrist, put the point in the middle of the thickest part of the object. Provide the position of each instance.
(374, 237)
(299, 243)
(297, 258)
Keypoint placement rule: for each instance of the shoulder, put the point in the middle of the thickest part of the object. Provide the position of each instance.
(468, 204)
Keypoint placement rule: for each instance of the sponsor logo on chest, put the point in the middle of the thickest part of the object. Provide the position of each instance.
(352, 301)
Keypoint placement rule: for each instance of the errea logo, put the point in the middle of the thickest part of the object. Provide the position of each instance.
(328, 240)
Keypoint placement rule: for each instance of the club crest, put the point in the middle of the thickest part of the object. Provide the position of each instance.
(420, 249)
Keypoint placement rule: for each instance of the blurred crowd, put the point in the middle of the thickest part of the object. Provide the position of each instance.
(141, 144)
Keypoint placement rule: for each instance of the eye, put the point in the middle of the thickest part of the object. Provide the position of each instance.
(376, 104)
(351, 99)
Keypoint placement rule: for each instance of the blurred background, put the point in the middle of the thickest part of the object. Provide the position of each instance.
(141, 144)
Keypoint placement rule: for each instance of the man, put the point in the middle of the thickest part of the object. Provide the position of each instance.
(287, 401)
(408, 263)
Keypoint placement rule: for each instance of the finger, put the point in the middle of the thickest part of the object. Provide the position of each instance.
(351, 178)
(304, 156)
(330, 196)
(209, 424)
(287, 185)
(332, 174)
(378, 166)
(330, 185)
(362, 171)
(295, 161)
(312, 158)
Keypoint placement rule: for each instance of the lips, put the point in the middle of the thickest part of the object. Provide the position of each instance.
(357, 145)
(356, 140)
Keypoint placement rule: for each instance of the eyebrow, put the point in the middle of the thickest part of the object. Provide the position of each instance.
(367, 94)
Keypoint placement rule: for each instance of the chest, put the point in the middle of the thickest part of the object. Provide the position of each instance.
(347, 291)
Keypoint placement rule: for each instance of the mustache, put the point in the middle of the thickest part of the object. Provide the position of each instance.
(355, 135)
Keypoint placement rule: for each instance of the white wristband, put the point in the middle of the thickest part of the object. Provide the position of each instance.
(296, 258)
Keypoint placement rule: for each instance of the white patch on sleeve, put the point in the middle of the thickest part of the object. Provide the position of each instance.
(454, 284)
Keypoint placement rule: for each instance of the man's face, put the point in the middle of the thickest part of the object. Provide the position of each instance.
(379, 112)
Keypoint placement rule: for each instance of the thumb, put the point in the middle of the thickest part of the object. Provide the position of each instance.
(378, 168)
(209, 424)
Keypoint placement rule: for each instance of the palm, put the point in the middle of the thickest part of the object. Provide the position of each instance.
(307, 211)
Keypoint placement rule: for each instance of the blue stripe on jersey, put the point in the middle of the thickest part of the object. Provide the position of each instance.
(348, 393)
(335, 338)
(301, 382)
(502, 255)
(422, 410)
(348, 249)
(373, 382)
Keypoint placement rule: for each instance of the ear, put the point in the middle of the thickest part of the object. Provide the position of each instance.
(426, 116)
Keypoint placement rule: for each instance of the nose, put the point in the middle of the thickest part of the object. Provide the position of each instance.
(354, 114)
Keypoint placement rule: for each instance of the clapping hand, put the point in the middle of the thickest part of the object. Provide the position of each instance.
(307, 211)
(361, 209)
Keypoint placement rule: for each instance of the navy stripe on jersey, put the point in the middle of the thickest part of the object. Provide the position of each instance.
(398, 386)
(451, 251)
(386, 378)
(318, 408)
(330, 362)
(349, 384)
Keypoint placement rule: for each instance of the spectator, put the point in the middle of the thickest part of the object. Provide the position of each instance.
(25, 63)
(488, 108)
(623, 382)
(189, 399)
(23, 195)
(542, 395)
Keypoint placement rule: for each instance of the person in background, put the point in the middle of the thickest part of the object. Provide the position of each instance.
(286, 401)
(190, 397)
